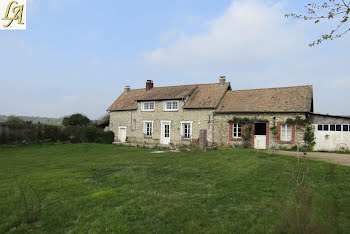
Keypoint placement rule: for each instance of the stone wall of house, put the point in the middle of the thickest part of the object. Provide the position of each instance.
(122, 118)
(222, 128)
(133, 120)
(202, 119)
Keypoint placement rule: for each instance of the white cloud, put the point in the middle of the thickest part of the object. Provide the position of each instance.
(249, 31)
(255, 46)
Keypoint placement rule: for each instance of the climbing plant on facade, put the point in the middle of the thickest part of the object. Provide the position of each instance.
(305, 125)
(248, 126)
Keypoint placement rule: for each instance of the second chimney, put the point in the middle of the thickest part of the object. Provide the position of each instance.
(222, 80)
(149, 85)
(126, 89)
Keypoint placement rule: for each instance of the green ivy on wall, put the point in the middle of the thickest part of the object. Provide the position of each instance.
(307, 127)
(246, 120)
(248, 126)
(298, 121)
(274, 131)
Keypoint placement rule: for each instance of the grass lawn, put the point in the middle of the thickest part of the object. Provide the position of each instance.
(105, 188)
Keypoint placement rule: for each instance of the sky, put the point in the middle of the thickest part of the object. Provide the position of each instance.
(76, 56)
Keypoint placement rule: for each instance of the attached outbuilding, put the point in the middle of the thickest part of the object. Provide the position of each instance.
(332, 132)
(270, 113)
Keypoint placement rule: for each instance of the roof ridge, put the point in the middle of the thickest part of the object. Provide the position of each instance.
(283, 87)
(181, 85)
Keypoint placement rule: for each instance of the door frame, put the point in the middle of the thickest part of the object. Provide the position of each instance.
(119, 128)
(162, 122)
(267, 133)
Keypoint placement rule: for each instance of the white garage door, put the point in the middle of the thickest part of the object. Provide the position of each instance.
(332, 137)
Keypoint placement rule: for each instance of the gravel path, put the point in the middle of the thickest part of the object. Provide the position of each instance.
(342, 159)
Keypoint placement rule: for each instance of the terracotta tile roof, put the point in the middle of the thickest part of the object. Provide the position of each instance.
(168, 92)
(207, 96)
(285, 99)
(127, 101)
(201, 96)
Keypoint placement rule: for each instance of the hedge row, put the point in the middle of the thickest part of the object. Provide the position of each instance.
(29, 132)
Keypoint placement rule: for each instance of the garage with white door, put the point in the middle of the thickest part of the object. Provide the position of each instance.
(332, 132)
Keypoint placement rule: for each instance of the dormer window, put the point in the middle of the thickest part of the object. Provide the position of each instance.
(147, 106)
(171, 105)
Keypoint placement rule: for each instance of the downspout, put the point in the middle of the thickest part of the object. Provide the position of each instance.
(212, 129)
(131, 121)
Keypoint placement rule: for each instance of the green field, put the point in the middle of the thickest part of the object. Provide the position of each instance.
(105, 188)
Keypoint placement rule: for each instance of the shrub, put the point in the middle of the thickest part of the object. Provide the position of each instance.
(18, 132)
(294, 148)
(108, 137)
(193, 146)
(89, 134)
(77, 119)
(309, 137)
(50, 133)
(182, 147)
(247, 144)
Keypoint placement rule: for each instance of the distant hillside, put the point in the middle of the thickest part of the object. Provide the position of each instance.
(45, 120)
(3, 118)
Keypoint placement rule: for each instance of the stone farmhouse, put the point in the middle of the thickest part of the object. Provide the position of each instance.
(175, 114)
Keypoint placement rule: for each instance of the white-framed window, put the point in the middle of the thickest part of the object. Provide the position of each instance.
(236, 130)
(148, 106)
(171, 105)
(186, 130)
(148, 128)
(286, 132)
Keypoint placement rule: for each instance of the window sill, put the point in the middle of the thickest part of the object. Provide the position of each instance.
(285, 142)
(148, 137)
(236, 139)
(147, 110)
(186, 139)
(171, 110)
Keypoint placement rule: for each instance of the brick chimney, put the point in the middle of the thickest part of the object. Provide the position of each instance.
(149, 85)
(222, 81)
(126, 89)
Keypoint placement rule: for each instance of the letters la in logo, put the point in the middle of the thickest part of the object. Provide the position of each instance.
(13, 14)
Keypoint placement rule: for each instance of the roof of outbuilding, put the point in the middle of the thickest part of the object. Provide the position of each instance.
(331, 116)
(284, 99)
